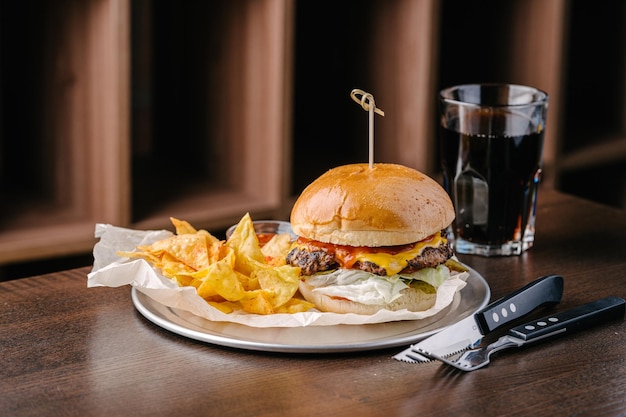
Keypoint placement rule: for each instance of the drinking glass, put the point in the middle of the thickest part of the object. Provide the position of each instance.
(491, 141)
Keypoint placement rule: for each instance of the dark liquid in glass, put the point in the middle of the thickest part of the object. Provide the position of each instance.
(492, 181)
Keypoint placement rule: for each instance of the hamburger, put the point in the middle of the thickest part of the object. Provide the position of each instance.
(372, 238)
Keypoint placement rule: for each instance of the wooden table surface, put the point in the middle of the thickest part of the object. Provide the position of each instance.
(73, 351)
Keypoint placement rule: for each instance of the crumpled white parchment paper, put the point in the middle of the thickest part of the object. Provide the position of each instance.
(110, 270)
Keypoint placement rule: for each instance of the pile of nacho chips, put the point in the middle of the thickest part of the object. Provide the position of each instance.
(231, 275)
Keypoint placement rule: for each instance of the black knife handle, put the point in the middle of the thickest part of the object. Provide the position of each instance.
(542, 291)
(573, 320)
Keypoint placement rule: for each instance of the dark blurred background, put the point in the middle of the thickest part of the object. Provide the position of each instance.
(175, 46)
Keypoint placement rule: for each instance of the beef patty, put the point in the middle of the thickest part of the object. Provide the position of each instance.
(312, 262)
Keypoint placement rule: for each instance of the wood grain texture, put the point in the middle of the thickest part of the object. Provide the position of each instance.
(73, 351)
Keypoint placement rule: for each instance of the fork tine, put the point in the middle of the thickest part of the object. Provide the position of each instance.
(477, 358)
(465, 363)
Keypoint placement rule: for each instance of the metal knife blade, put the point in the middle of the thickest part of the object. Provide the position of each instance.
(469, 332)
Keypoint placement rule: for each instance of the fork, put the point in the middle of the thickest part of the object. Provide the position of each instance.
(575, 319)
(477, 358)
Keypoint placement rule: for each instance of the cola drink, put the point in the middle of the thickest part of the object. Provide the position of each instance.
(493, 182)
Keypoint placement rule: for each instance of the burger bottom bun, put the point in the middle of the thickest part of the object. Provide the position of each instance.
(412, 299)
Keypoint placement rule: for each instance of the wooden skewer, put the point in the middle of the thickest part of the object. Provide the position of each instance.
(367, 102)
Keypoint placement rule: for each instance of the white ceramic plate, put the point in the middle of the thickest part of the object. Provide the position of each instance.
(316, 339)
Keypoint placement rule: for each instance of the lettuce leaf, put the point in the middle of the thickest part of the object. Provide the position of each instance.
(433, 276)
(368, 288)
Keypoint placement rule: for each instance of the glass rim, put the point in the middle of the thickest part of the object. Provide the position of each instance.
(539, 97)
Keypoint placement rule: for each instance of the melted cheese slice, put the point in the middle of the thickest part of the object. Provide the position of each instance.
(394, 263)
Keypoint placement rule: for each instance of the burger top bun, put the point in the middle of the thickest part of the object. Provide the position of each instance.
(386, 205)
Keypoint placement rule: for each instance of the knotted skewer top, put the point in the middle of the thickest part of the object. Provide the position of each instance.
(366, 101)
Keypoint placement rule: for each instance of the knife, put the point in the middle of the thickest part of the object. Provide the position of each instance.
(469, 332)
(559, 324)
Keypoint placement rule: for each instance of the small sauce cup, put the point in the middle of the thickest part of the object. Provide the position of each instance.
(266, 229)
